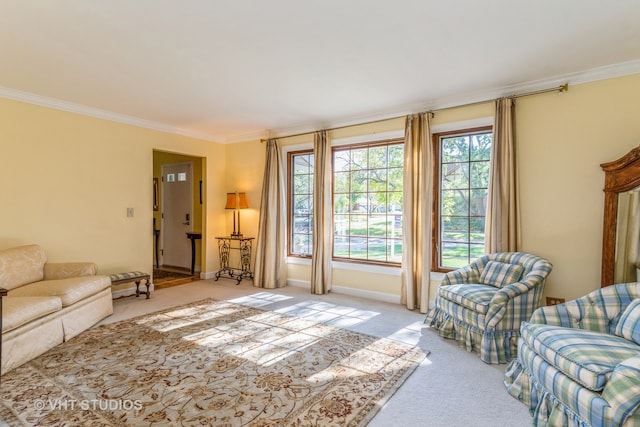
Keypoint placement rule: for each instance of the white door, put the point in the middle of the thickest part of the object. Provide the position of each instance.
(177, 215)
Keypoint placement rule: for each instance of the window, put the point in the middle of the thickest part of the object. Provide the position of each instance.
(367, 202)
(300, 202)
(461, 187)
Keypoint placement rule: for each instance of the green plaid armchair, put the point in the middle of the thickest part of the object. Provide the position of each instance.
(483, 304)
(578, 363)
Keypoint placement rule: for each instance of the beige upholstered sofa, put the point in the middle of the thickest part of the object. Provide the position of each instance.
(46, 303)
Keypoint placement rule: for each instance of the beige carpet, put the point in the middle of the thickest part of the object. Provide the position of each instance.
(209, 363)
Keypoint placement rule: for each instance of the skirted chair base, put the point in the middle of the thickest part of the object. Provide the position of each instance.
(545, 408)
(491, 347)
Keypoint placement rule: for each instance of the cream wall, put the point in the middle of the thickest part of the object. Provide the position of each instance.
(561, 141)
(66, 181)
(245, 174)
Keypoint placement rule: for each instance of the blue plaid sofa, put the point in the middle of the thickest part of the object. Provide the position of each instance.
(579, 362)
(483, 304)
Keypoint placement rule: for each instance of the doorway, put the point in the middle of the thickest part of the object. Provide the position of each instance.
(176, 214)
(179, 208)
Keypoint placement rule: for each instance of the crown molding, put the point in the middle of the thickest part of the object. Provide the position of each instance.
(605, 72)
(250, 136)
(305, 128)
(84, 110)
(580, 77)
(585, 76)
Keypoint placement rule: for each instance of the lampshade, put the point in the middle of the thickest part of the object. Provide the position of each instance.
(242, 201)
(236, 201)
(232, 201)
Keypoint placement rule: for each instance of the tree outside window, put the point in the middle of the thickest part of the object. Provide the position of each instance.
(301, 203)
(367, 201)
(462, 182)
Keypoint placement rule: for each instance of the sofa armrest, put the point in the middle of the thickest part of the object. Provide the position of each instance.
(517, 299)
(622, 391)
(64, 270)
(509, 292)
(554, 315)
(464, 275)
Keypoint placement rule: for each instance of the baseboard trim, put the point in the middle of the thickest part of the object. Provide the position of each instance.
(204, 275)
(361, 293)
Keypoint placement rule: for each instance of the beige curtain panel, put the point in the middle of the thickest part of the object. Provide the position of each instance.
(416, 227)
(270, 266)
(502, 226)
(322, 251)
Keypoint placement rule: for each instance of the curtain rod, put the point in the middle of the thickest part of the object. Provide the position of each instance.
(560, 89)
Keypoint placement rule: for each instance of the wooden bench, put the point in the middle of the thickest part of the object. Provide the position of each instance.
(132, 276)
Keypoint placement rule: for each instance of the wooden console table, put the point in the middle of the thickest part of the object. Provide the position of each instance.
(193, 236)
(242, 244)
(3, 293)
(156, 235)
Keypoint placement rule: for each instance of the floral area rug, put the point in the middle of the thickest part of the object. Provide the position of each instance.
(210, 363)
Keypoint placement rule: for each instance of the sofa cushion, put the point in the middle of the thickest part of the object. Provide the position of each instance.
(17, 311)
(628, 326)
(588, 357)
(68, 290)
(500, 274)
(64, 270)
(21, 265)
(475, 297)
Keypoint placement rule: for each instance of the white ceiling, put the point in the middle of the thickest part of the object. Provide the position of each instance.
(230, 70)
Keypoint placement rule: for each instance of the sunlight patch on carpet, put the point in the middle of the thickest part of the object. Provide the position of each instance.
(210, 363)
(260, 299)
